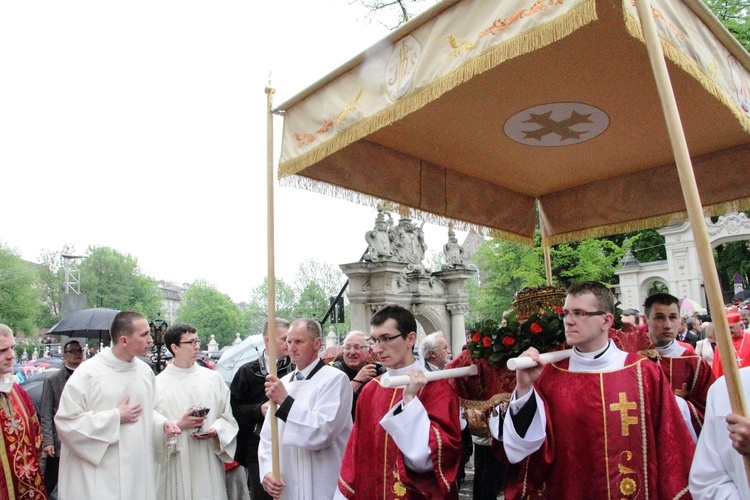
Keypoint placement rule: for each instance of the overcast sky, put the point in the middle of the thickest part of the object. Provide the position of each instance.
(140, 126)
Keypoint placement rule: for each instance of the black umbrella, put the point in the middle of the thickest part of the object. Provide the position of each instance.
(740, 296)
(86, 323)
(34, 386)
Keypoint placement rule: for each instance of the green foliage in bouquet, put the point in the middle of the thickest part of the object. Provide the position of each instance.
(489, 340)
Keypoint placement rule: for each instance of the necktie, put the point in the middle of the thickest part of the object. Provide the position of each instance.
(298, 375)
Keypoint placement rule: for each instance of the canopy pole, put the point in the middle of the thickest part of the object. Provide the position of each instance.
(547, 262)
(545, 243)
(695, 210)
(271, 280)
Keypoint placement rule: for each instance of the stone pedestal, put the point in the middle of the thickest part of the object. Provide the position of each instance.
(437, 300)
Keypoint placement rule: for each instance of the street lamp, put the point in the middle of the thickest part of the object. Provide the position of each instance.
(158, 328)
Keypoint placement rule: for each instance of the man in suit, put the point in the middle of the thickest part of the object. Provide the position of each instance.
(53, 387)
(685, 335)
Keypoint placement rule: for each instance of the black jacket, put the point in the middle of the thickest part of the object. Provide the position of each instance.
(248, 393)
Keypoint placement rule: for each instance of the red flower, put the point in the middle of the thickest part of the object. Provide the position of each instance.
(487, 341)
(477, 337)
(508, 341)
(558, 310)
(536, 328)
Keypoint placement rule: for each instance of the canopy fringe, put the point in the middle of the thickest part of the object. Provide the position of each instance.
(648, 223)
(530, 41)
(675, 55)
(324, 188)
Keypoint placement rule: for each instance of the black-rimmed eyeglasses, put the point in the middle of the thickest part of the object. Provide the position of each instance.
(74, 351)
(193, 342)
(578, 314)
(383, 340)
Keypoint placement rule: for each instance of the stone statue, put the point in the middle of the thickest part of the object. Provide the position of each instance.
(453, 252)
(379, 239)
(237, 340)
(409, 245)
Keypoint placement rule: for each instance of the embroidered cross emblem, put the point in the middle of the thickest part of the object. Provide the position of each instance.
(551, 126)
(623, 407)
(682, 392)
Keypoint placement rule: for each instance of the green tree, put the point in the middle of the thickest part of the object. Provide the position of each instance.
(505, 268)
(19, 297)
(112, 279)
(314, 284)
(591, 259)
(735, 14)
(210, 312)
(255, 313)
(52, 283)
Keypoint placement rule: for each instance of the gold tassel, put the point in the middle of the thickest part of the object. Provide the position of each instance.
(648, 223)
(524, 43)
(676, 55)
(324, 188)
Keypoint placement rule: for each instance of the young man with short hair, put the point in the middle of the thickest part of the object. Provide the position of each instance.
(602, 424)
(408, 442)
(689, 375)
(193, 466)
(106, 419)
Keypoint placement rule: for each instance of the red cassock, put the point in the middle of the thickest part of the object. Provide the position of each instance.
(20, 444)
(742, 352)
(690, 377)
(373, 466)
(616, 434)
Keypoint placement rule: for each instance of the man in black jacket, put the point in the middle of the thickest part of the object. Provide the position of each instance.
(250, 404)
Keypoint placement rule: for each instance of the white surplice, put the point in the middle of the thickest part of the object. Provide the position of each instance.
(100, 457)
(314, 436)
(718, 471)
(196, 470)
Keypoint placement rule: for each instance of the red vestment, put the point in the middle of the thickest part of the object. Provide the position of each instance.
(616, 434)
(690, 377)
(373, 466)
(742, 351)
(20, 446)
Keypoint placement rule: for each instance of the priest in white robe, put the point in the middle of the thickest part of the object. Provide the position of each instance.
(718, 469)
(106, 420)
(191, 465)
(314, 421)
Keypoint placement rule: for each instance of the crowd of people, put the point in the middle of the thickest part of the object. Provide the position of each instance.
(651, 422)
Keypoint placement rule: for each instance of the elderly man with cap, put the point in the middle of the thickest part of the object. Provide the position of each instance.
(739, 341)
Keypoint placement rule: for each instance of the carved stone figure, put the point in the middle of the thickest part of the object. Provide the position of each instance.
(379, 239)
(454, 253)
(409, 245)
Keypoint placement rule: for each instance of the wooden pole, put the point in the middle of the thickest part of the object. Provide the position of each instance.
(695, 210)
(271, 281)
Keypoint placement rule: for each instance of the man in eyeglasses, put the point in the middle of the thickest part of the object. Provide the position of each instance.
(354, 363)
(192, 464)
(53, 387)
(408, 442)
(603, 423)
